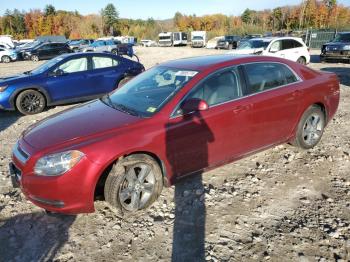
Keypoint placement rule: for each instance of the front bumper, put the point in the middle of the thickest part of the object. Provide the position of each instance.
(70, 193)
(341, 54)
(5, 101)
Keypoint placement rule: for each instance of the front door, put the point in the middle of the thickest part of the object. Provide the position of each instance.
(71, 83)
(207, 138)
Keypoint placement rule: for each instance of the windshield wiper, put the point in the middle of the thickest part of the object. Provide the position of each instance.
(119, 107)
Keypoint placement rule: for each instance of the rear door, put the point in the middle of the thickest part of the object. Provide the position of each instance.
(73, 84)
(44, 51)
(275, 99)
(105, 73)
(293, 49)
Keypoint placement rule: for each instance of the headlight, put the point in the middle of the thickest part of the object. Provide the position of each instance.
(3, 88)
(346, 47)
(57, 164)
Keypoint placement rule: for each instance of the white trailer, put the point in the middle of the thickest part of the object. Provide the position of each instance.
(198, 38)
(180, 38)
(165, 39)
(7, 41)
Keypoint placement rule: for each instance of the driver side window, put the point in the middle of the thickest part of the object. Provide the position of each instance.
(219, 88)
(74, 65)
(276, 46)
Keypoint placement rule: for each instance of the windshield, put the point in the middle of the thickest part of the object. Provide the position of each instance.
(75, 42)
(197, 38)
(149, 92)
(42, 68)
(342, 38)
(252, 44)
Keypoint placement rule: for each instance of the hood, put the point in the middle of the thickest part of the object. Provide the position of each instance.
(77, 124)
(337, 43)
(14, 78)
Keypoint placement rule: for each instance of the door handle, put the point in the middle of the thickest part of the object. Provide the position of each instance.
(239, 109)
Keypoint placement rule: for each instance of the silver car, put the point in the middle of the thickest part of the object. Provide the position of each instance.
(7, 55)
(102, 46)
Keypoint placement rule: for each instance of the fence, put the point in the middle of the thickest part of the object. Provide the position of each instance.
(316, 38)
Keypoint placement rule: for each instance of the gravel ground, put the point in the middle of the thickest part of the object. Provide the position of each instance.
(283, 204)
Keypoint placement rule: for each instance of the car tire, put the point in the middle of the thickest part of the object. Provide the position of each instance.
(301, 60)
(134, 183)
(5, 59)
(124, 80)
(34, 58)
(30, 102)
(310, 128)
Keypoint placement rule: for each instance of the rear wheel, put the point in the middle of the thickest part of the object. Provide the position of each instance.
(30, 102)
(310, 128)
(134, 183)
(301, 60)
(34, 58)
(6, 59)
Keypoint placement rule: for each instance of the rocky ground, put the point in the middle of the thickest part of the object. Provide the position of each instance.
(283, 204)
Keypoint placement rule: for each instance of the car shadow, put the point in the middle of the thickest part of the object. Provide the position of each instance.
(343, 74)
(7, 118)
(190, 213)
(33, 236)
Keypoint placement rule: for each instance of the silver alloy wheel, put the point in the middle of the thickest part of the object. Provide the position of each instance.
(137, 188)
(6, 59)
(313, 128)
(35, 58)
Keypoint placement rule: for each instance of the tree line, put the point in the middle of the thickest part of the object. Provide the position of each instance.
(318, 14)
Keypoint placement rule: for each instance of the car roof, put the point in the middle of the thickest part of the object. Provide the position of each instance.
(202, 63)
(84, 54)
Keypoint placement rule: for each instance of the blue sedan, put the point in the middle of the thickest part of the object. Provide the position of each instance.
(66, 79)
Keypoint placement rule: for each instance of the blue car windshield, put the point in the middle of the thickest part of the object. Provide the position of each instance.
(44, 67)
(342, 38)
(147, 93)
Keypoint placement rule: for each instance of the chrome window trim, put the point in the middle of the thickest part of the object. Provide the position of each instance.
(19, 155)
(299, 80)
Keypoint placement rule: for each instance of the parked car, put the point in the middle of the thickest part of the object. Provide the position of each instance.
(78, 44)
(176, 119)
(148, 43)
(66, 79)
(44, 51)
(338, 49)
(248, 37)
(291, 48)
(7, 55)
(228, 42)
(102, 46)
(213, 43)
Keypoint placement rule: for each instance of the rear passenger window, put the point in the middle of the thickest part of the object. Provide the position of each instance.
(219, 88)
(265, 76)
(103, 62)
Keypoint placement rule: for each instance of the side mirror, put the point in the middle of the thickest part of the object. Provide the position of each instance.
(194, 105)
(59, 72)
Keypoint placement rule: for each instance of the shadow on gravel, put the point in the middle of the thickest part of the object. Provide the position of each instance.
(187, 142)
(343, 74)
(8, 118)
(33, 236)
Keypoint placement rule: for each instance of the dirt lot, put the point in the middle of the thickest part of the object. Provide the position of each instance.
(283, 204)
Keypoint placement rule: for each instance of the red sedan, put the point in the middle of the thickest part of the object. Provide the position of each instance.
(176, 119)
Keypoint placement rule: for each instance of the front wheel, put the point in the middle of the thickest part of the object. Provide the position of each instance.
(6, 59)
(310, 128)
(30, 102)
(134, 183)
